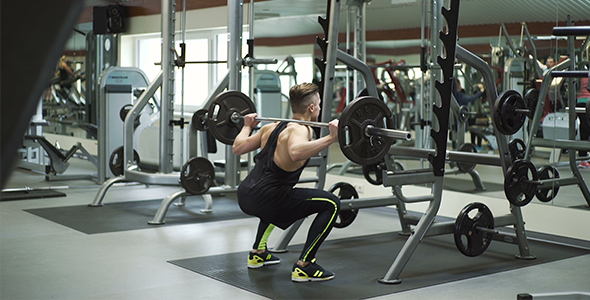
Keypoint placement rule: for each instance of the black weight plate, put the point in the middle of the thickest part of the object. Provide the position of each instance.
(219, 118)
(199, 120)
(116, 161)
(357, 146)
(364, 93)
(344, 191)
(463, 166)
(517, 149)
(376, 171)
(531, 97)
(506, 119)
(546, 194)
(588, 112)
(197, 175)
(463, 114)
(468, 238)
(518, 185)
(124, 111)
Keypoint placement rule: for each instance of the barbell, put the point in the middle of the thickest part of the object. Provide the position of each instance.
(511, 109)
(364, 130)
(474, 229)
(369, 129)
(522, 182)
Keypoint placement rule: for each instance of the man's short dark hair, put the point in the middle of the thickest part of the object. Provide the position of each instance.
(299, 96)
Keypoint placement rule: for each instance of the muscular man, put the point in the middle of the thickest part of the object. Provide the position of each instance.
(268, 191)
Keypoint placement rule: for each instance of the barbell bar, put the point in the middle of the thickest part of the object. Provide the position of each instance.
(369, 129)
(364, 133)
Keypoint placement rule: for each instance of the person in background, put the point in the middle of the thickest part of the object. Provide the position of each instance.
(550, 62)
(462, 98)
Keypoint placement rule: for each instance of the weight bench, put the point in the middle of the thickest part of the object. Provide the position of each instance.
(58, 160)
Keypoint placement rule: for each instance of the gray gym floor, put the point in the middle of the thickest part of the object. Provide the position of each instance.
(40, 259)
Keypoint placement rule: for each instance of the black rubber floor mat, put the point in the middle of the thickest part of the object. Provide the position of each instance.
(125, 216)
(360, 261)
(464, 185)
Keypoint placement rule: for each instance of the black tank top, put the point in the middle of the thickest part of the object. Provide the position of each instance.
(266, 178)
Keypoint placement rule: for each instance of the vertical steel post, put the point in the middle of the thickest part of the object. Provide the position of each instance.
(331, 54)
(234, 61)
(167, 89)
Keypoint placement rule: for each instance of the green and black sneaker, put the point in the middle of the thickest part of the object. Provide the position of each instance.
(258, 260)
(313, 272)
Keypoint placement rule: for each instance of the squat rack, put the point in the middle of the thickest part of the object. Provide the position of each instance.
(425, 225)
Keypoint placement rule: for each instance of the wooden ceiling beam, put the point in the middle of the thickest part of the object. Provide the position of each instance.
(535, 28)
(136, 8)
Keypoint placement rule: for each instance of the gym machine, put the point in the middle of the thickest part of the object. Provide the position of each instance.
(165, 81)
(197, 174)
(534, 110)
(118, 88)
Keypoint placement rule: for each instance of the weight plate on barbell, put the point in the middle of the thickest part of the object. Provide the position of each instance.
(199, 120)
(358, 146)
(344, 191)
(197, 175)
(546, 194)
(463, 166)
(219, 118)
(468, 238)
(517, 149)
(463, 114)
(506, 119)
(116, 161)
(587, 112)
(519, 182)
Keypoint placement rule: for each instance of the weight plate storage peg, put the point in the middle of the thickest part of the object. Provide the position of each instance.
(546, 194)
(199, 120)
(219, 119)
(474, 228)
(521, 182)
(197, 175)
(344, 191)
(116, 162)
(355, 121)
(509, 112)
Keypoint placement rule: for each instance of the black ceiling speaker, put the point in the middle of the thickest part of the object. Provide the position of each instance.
(108, 19)
(116, 15)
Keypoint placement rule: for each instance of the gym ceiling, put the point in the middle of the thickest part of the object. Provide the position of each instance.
(393, 26)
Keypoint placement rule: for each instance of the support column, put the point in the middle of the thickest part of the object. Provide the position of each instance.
(234, 61)
(167, 108)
